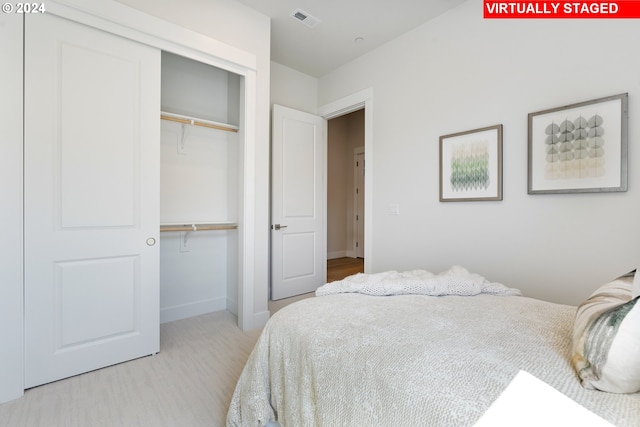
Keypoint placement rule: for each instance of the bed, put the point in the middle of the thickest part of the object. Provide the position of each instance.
(408, 349)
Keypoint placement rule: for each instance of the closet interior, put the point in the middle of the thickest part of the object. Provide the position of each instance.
(199, 188)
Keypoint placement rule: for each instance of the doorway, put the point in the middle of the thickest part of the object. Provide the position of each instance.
(280, 225)
(345, 190)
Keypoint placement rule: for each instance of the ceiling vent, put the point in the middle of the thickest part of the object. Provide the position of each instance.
(305, 18)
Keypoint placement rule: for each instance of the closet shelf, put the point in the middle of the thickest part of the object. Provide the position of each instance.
(199, 227)
(197, 122)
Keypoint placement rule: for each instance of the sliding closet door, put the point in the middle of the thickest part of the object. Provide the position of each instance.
(92, 103)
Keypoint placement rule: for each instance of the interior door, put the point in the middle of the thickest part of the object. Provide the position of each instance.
(298, 231)
(92, 103)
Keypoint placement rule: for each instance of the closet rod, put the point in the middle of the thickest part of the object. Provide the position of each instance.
(199, 227)
(198, 122)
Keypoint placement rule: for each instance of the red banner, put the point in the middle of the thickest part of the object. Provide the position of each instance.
(624, 9)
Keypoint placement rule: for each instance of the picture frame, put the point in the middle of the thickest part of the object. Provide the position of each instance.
(579, 148)
(471, 165)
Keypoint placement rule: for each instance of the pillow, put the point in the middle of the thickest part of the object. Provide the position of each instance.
(606, 337)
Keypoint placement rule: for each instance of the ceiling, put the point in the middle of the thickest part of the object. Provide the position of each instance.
(347, 28)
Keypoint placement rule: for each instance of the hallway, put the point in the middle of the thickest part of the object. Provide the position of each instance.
(339, 268)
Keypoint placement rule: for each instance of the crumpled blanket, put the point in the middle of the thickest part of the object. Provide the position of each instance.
(455, 281)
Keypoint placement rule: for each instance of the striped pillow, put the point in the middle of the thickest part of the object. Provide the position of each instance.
(606, 337)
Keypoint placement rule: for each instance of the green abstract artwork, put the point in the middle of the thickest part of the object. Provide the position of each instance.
(470, 166)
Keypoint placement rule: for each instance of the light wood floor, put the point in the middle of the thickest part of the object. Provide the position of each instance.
(339, 268)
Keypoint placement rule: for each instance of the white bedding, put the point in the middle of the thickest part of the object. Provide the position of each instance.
(519, 405)
(455, 281)
(359, 360)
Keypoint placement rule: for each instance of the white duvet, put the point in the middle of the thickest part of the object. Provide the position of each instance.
(408, 360)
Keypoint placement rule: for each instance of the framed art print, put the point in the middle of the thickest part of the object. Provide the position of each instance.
(471, 165)
(579, 148)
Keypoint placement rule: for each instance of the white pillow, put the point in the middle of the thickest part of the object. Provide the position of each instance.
(606, 337)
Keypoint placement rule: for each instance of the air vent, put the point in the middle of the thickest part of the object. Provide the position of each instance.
(305, 18)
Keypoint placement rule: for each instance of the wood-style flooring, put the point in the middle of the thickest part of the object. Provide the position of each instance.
(339, 268)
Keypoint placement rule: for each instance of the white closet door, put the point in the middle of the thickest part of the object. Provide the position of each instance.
(92, 103)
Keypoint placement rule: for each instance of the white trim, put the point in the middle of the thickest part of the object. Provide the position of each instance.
(260, 318)
(184, 311)
(343, 106)
(133, 24)
(337, 254)
(346, 105)
(354, 235)
(11, 267)
(247, 208)
(325, 187)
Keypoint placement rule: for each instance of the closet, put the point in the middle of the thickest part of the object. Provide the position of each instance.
(199, 175)
(138, 188)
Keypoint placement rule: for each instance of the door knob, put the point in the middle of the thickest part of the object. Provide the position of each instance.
(151, 241)
(278, 226)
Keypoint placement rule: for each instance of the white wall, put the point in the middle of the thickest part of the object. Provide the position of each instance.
(232, 23)
(338, 162)
(461, 72)
(197, 185)
(11, 355)
(196, 269)
(293, 89)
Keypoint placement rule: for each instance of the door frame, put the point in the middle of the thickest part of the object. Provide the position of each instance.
(124, 21)
(358, 151)
(11, 291)
(340, 107)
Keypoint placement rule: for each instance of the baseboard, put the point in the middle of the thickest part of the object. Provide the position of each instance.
(232, 307)
(184, 311)
(336, 254)
(260, 319)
